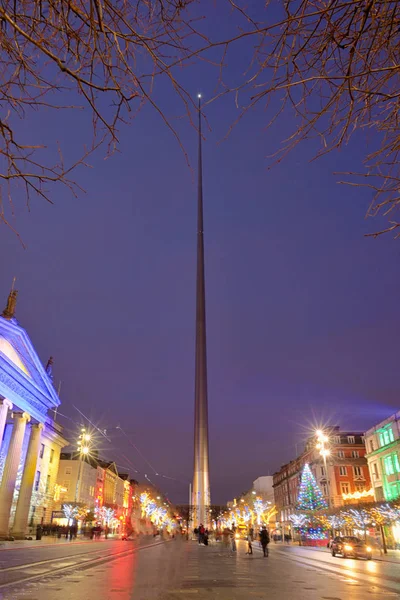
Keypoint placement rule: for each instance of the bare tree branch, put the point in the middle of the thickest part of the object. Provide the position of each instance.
(99, 48)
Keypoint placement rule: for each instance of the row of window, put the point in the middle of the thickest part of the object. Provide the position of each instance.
(345, 487)
(337, 439)
(392, 464)
(67, 483)
(41, 453)
(386, 436)
(358, 472)
(37, 482)
(354, 454)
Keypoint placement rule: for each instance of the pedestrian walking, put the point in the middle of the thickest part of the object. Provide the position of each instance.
(201, 533)
(264, 539)
(233, 541)
(205, 537)
(249, 543)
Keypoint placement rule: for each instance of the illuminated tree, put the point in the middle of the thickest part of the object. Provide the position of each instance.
(299, 520)
(70, 512)
(107, 514)
(310, 496)
(336, 522)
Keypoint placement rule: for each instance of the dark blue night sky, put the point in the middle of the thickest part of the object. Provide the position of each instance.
(303, 322)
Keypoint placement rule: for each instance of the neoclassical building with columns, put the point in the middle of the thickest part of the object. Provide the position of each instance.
(30, 439)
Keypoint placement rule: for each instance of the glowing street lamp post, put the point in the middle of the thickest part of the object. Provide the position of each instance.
(322, 440)
(83, 449)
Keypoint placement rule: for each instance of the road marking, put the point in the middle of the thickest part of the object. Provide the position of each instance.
(48, 560)
(93, 562)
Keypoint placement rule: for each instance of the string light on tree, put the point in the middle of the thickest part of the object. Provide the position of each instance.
(70, 512)
(299, 521)
(310, 496)
(360, 517)
(336, 522)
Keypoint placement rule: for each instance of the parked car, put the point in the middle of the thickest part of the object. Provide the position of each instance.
(351, 547)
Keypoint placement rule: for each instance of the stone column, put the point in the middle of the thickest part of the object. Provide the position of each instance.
(28, 479)
(5, 406)
(11, 469)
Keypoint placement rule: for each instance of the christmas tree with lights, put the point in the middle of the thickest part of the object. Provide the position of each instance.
(310, 496)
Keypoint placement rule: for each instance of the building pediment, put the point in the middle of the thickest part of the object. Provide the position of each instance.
(23, 378)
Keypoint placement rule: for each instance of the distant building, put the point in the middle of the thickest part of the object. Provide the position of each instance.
(264, 486)
(383, 456)
(93, 483)
(346, 479)
(76, 481)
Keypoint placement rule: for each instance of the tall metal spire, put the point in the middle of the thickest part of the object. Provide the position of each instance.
(201, 483)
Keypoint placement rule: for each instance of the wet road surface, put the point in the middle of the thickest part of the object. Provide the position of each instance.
(149, 570)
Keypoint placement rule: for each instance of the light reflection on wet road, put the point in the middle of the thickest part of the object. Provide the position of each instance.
(179, 570)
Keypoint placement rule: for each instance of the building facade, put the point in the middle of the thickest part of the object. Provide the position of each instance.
(76, 482)
(383, 456)
(264, 486)
(92, 484)
(30, 440)
(344, 478)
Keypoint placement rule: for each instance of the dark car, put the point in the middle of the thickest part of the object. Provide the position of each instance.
(349, 546)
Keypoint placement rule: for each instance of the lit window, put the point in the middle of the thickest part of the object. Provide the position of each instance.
(396, 463)
(389, 467)
(41, 451)
(344, 486)
(343, 471)
(386, 436)
(351, 439)
(394, 491)
(360, 487)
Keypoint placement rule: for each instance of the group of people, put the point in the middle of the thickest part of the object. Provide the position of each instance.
(264, 540)
(202, 534)
(229, 538)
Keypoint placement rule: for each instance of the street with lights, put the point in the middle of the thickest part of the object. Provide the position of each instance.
(152, 569)
(198, 357)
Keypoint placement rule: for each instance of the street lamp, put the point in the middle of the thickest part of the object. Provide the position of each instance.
(84, 439)
(322, 440)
